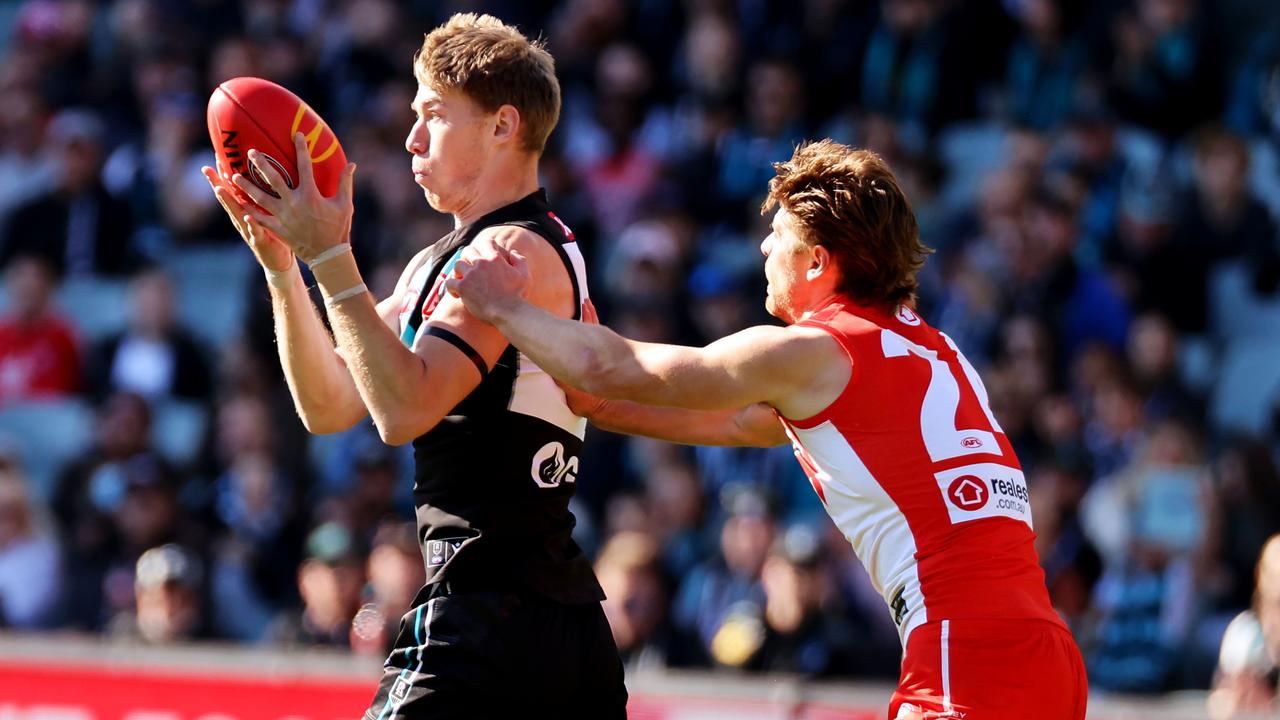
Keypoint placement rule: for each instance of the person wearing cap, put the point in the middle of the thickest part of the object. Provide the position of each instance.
(802, 631)
(168, 595)
(329, 582)
(77, 226)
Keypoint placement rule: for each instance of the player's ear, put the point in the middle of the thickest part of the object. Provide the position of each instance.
(820, 262)
(507, 125)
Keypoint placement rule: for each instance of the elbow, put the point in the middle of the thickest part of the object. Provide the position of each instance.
(394, 433)
(321, 423)
(400, 429)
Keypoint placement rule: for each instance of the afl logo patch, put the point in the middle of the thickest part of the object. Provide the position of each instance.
(907, 316)
(261, 181)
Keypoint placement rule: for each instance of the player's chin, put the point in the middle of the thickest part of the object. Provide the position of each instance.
(434, 200)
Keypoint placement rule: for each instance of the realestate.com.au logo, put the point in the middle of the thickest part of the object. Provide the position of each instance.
(968, 492)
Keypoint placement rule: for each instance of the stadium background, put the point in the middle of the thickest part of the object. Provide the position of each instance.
(1099, 180)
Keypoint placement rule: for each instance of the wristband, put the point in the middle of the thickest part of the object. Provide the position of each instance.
(345, 295)
(328, 255)
(280, 279)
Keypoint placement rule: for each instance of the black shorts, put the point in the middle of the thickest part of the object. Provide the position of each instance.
(480, 655)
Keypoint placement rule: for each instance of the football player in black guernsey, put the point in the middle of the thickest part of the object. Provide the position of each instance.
(510, 612)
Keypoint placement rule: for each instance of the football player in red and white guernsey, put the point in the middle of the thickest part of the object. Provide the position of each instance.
(888, 418)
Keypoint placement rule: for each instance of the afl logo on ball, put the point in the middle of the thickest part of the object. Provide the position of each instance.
(907, 316)
(261, 181)
(968, 492)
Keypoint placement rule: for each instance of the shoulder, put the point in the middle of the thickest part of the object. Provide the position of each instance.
(554, 288)
(512, 237)
(797, 348)
(538, 252)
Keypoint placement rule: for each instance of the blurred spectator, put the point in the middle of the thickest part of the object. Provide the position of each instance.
(125, 508)
(1071, 564)
(1247, 497)
(1091, 151)
(1254, 109)
(1115, 428)
(801, 633)
(1046, 64)
(154, 356)
(1153, 356)
(714, 594)
(395, 574)
(677, 516)
(329, 582)
(1167, 70)
(773, 123)
(25, 169)
(908, 74)
(30, 566)
(159, 175)
(636, 602)
(256, 505)
(39, 357)
(619, 149)
(1245, 684)
(168, 588)
(1223, 220)
(1079, 302)
(1148, 599)
(77, 227)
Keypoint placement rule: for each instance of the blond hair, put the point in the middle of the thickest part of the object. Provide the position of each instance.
(494, 64)
(849, 202)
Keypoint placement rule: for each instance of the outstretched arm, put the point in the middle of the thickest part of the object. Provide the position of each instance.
(752, 426)
(799, 371)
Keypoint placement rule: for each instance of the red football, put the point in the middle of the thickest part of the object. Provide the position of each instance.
(249, 112)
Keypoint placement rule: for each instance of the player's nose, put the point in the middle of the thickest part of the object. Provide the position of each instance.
(417, 141)
(766, 245)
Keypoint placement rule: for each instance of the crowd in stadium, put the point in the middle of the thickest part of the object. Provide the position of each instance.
(1100, 181)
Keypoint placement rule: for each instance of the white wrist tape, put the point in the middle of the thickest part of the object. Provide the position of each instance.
(280, 279)
(328, 255)
(345, 295)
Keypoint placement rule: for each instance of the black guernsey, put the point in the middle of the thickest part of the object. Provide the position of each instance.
(494, 478)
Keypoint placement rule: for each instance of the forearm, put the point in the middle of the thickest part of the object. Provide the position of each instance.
(389, 377)
(592, 358)
(323, 392)
(748, 427)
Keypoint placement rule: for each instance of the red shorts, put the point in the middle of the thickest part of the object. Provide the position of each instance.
(991, 670)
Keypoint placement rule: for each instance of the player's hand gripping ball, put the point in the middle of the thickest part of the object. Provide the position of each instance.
(251, 113)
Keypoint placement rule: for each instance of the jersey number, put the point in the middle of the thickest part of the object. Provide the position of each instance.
(938, 414)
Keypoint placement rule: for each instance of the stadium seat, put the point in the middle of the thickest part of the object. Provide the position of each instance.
(178, 428)
(1264, 174)
(97, 307)
(48, 435)
(1248, 389)
(969, 152)
(211, 290)
(1235, 310)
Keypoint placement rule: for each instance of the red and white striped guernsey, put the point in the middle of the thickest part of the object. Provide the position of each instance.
(916, 472)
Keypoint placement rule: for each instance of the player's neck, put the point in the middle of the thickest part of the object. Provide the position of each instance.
(499, 188)
(820, 300)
